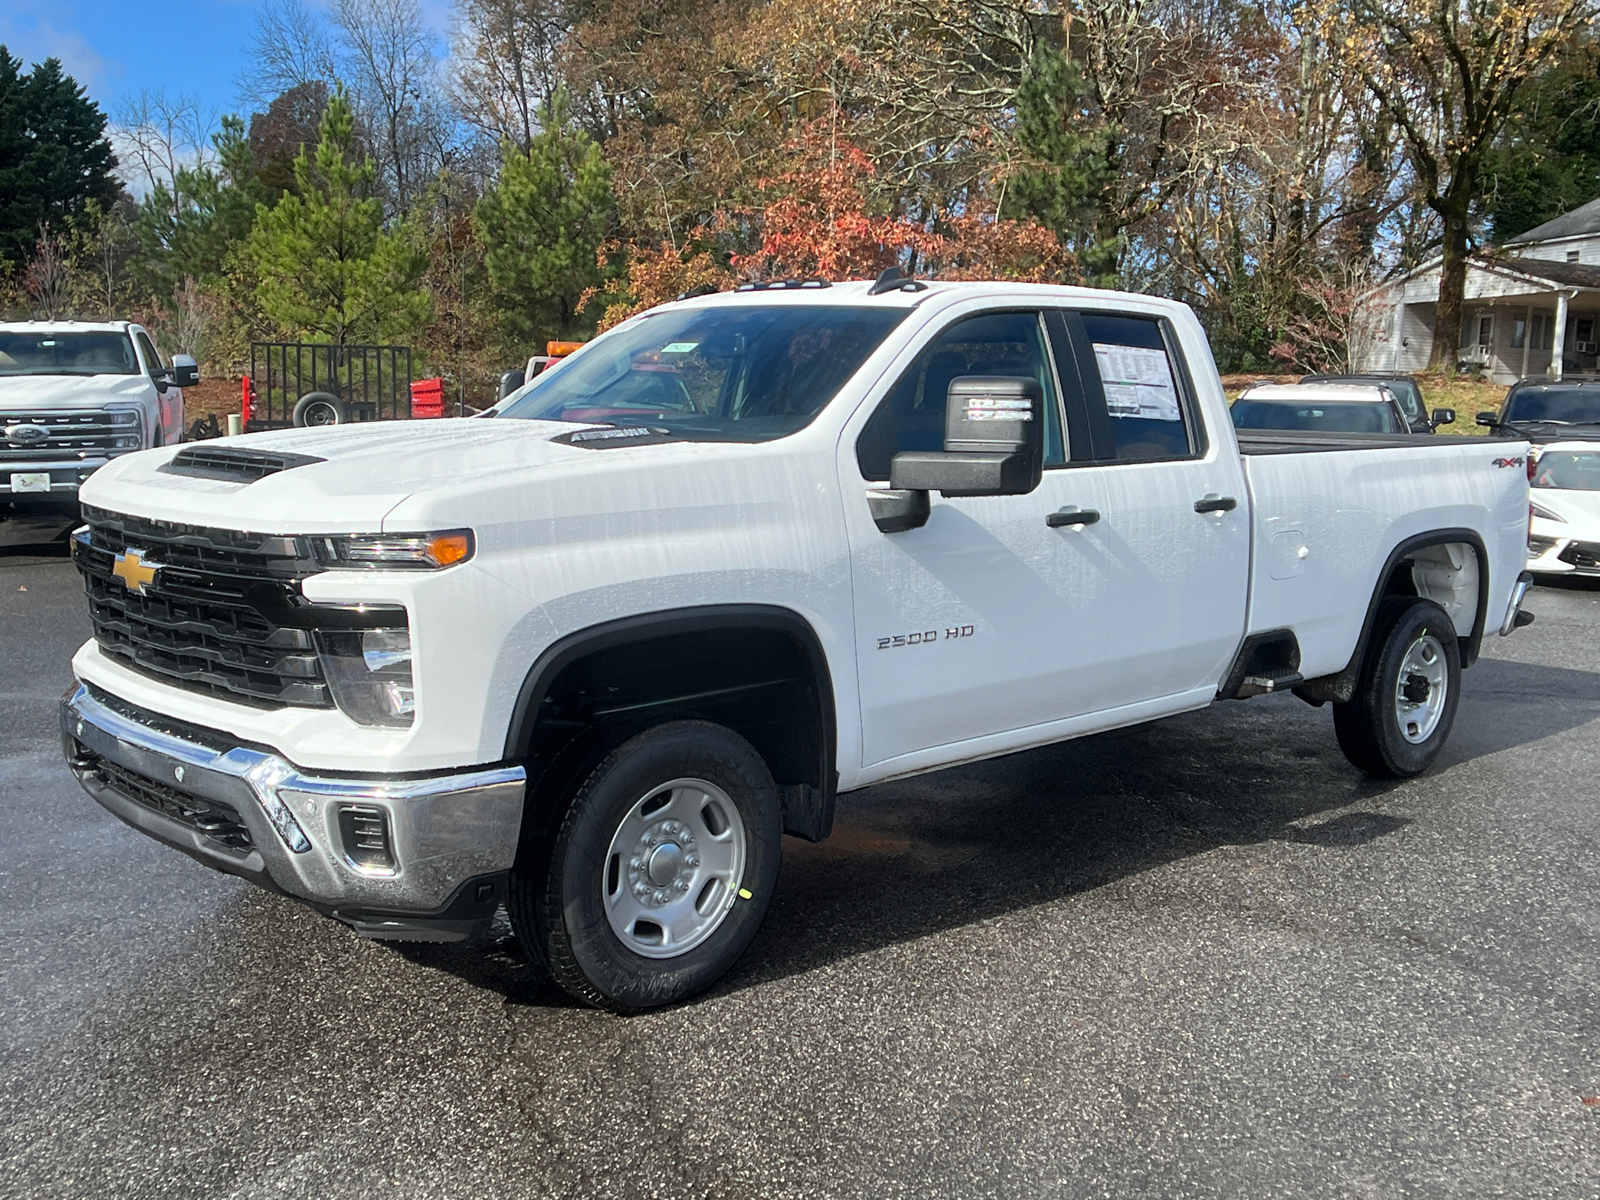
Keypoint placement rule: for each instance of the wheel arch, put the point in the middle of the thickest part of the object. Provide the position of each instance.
(1339, 687)
(720, 662)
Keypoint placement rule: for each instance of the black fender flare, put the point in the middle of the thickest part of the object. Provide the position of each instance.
(1340, 687)
(700, 619)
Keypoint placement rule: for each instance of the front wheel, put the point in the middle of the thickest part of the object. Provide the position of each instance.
(1405, 700)
(660, 871)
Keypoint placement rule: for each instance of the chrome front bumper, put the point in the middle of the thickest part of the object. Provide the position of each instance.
(451, 839)
(65, 477)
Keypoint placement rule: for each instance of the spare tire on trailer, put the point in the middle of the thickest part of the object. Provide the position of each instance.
(320, 408)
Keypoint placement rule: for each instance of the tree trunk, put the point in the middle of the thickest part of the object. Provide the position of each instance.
(1453, 208)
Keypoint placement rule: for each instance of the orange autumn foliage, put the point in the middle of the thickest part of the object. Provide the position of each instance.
(816, 226)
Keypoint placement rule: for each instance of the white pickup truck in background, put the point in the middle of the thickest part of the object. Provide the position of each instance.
(592, 656)
(73, 396)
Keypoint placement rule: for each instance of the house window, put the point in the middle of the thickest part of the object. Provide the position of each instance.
(1519, 332)
(1583, 328)
(1572, 256)
(1539, 333)
(1485, 332)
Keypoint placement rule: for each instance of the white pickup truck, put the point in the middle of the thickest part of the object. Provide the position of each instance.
(590, 657)
(73, 396)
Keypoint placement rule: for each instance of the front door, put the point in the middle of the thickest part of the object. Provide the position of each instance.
(987, 619)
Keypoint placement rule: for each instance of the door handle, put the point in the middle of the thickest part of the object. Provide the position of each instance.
(1071, 516)
(1216, 504)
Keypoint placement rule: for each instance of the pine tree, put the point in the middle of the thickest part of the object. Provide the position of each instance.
(189, 231)
(324, 265)
(54, 156)
(543, 223)
(1064, 178)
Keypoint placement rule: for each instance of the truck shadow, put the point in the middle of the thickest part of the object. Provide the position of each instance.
(934, 853)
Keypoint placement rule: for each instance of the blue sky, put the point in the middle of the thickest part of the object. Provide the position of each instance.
(185, 46)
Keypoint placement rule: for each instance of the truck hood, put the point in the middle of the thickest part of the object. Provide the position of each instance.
(23, 392)
(366, 470)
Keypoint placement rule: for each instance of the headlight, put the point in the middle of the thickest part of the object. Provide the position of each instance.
(406, 551)
(369, 673)
(1539, 510)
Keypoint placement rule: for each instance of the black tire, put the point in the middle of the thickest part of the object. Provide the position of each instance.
(320, 408)
(558, 898)
(1369, 727)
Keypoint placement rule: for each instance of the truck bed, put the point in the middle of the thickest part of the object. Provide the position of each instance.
(1325, 523)
(1300, 441)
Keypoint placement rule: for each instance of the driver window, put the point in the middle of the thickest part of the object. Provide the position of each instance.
(911, 416)
(152, 359)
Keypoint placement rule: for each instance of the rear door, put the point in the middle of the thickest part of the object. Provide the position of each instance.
(987, 619)
(1175, 530)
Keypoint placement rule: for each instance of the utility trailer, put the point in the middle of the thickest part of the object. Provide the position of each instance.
(321, 383)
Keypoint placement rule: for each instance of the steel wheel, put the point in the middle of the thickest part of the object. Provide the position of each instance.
(321, 414)
(1421, 689)
(674, 868)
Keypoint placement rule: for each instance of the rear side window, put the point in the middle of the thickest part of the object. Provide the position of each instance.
(1138, 405)
(911, 416)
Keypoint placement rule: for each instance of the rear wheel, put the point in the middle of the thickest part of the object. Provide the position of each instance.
(1405, 700)
(660, 871)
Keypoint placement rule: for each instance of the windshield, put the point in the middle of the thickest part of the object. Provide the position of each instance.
(746, 374)
(1341, 417)
(100, 353)
(1573, 470)
(1566, 404)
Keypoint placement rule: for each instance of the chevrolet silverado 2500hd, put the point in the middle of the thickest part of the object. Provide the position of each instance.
(591, 657)
(73, 396)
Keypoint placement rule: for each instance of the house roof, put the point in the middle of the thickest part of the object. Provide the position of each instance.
(1581, 220)
(1565, 274)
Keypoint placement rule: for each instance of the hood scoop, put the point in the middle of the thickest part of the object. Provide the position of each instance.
(234, 465)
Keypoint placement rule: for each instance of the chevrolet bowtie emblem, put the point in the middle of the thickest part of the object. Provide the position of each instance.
(135, 573)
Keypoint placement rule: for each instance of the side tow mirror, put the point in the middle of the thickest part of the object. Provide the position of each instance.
(510, 381)
(1491, 419)
(185, 371)
(993, 446)
(1444, 416)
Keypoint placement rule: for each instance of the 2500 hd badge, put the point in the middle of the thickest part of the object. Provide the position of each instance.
(924, 638)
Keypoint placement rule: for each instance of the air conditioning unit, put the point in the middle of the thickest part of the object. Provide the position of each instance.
(1583, 347)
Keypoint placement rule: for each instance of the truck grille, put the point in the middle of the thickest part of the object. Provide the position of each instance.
(70, 436)
(223, 613)
(218, 821)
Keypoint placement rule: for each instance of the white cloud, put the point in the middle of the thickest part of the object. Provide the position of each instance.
(34, 39)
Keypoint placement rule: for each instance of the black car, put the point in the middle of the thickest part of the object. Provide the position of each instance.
(1407, 394)
(1546, 409)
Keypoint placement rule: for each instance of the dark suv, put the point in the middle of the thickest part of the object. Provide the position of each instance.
(1547, 409)
(1406, 394)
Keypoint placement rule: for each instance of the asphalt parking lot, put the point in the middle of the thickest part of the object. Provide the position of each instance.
(1200, 958)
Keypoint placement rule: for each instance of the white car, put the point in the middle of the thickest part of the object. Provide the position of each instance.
(1338, 408)
(1564, 509)
(591, 655)
(73, 396)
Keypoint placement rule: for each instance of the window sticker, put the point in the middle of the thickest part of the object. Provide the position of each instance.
(678, 347)
(1138, 382)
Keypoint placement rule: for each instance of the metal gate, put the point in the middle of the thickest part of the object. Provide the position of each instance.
(372, 382)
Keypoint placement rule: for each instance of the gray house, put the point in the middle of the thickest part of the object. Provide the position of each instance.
(1531, 308)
